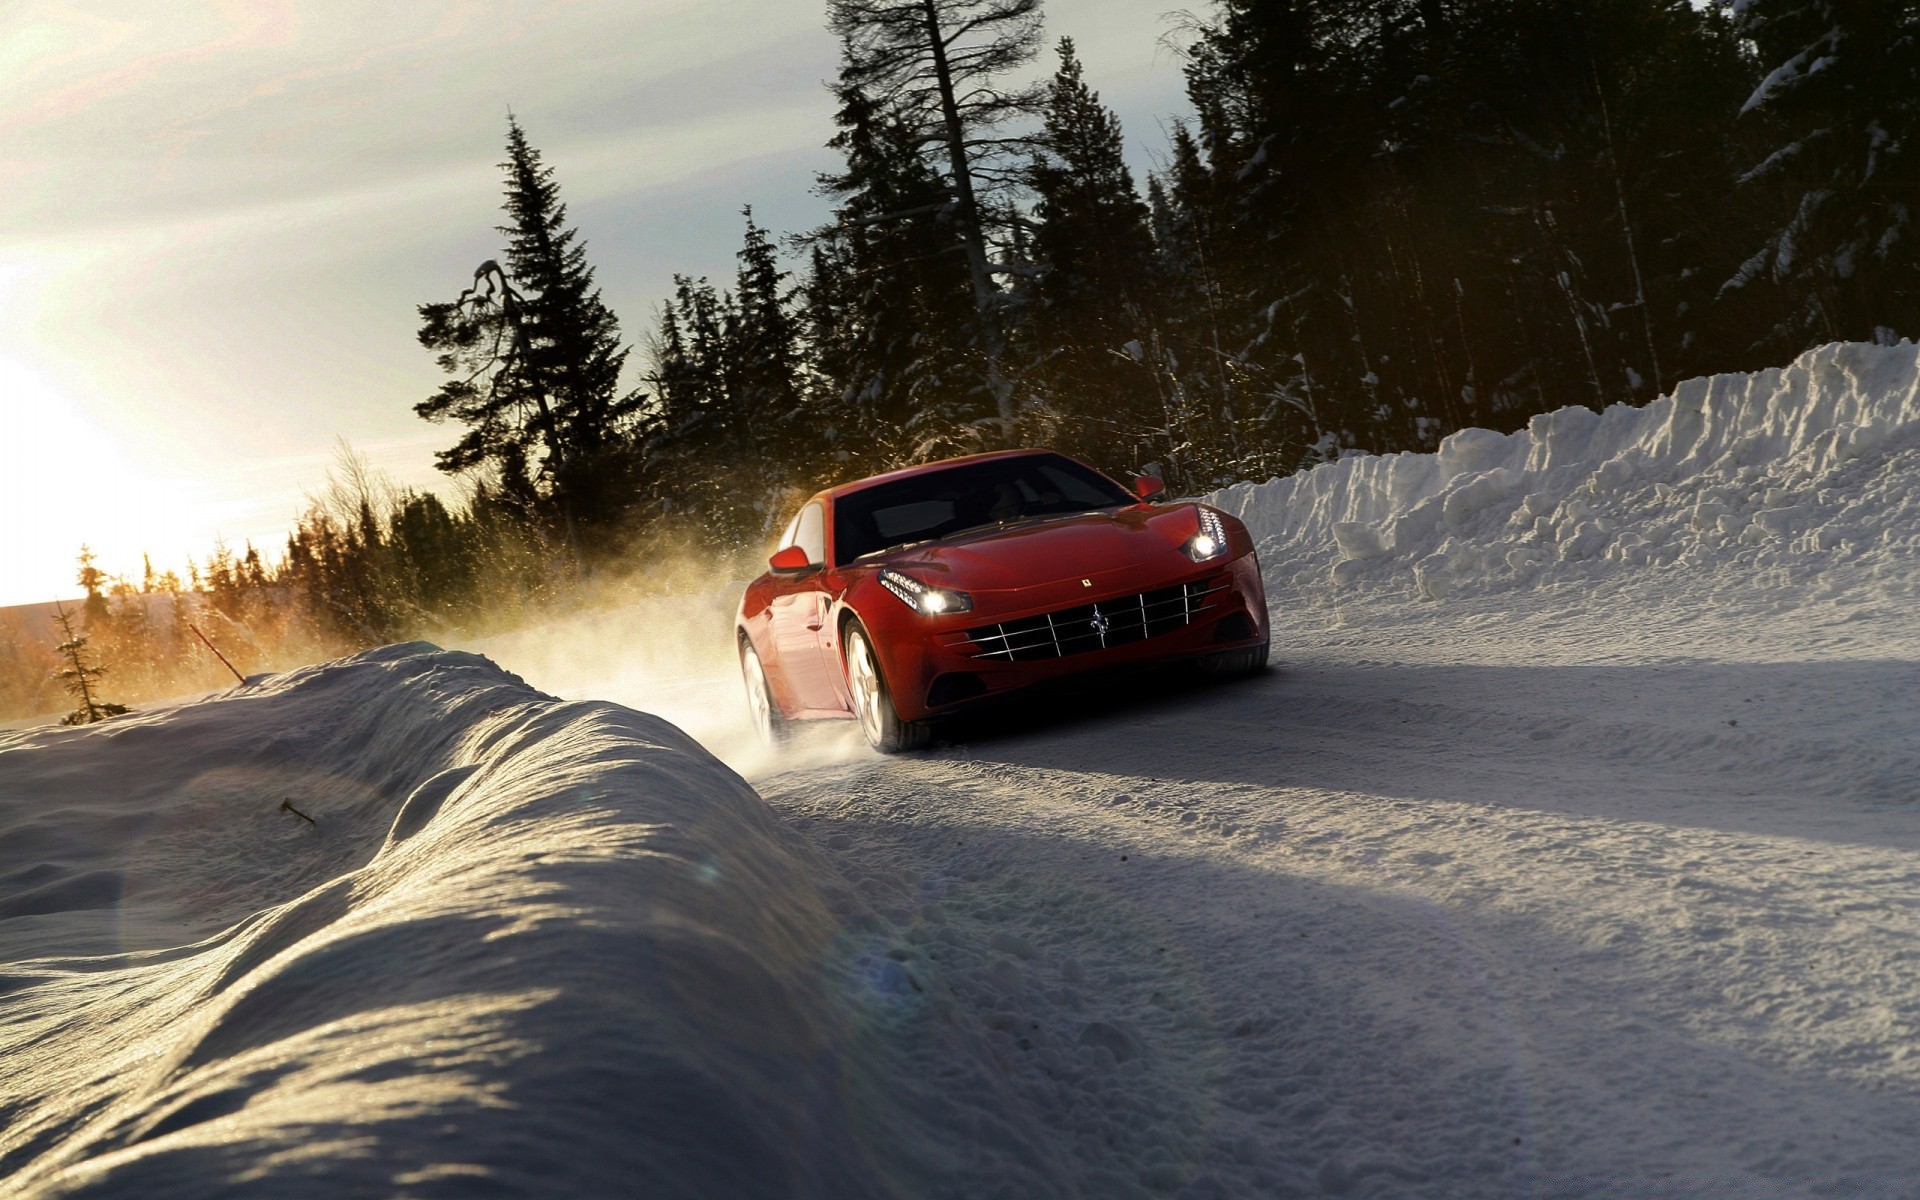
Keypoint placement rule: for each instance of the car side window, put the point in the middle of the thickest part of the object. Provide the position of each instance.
(810, 533)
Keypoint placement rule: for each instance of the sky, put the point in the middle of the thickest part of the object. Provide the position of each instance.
(218, 218)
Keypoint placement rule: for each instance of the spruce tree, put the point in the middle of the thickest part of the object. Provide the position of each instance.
(536, 358)
(938, 65)
(1092, 234)
(888, 305)
(80, 674)
(1210, 265)
(573, 346)
(765, 351)
(1396, 219)
(1095, 290)
(1837, 113)
(430, 560)
(93, 582)
(705, 443)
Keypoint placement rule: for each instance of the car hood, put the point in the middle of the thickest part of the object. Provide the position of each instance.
(1050, 548)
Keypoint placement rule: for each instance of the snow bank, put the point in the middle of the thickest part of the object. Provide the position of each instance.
(1807, 475)
(527, 946)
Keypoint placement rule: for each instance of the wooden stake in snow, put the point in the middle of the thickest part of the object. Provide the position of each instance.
(216, 652)
(287, 806)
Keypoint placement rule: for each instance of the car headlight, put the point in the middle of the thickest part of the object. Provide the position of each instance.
(1211, 541)
(924, 598)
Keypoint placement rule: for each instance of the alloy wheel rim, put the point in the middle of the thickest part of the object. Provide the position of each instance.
(866, 687)
(759, 703)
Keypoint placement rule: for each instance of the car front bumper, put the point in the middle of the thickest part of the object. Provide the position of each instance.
(1049, 632)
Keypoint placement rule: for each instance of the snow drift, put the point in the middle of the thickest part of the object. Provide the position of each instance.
(526, 946)
(1806, 474)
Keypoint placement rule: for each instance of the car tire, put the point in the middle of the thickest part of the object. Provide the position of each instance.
(1236, 663)
(873, 702)
(763, 711)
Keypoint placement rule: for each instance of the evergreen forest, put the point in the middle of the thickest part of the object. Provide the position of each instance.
(1389, 220)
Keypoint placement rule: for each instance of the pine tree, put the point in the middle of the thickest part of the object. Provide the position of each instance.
(1095, 289)
(707, 440)
(80, 674)
(93, 582)
(1553, 229)
(573, 346)
(536, 357)
(1396, 219)
(1092, 234)
(1839, 164)
(765, 351)
(888, 306)
(783, 436)
(938, 65)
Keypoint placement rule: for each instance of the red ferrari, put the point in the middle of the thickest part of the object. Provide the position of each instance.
(910, 596)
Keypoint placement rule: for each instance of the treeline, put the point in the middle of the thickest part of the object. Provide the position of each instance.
(368, 564)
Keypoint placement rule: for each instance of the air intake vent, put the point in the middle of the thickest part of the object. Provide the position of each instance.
(955, 686)
(1235, 627)
(1090, 627)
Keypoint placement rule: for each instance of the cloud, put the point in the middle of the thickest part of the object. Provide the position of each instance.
(116, 64)
(257, 103)
(220, 217)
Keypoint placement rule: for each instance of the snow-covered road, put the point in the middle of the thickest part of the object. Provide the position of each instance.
(1410, 917)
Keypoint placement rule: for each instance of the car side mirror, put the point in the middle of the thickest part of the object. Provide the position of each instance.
(1148, 486)
(790, 561)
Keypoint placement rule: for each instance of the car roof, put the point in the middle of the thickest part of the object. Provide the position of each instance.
(860, 485)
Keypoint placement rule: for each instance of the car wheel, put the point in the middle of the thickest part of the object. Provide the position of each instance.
(872, 704)
(1235, 663)
(762, 711)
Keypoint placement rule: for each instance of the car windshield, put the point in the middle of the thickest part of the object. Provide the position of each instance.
(971, 496)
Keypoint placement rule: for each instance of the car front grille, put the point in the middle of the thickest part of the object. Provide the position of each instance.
(1087, 627)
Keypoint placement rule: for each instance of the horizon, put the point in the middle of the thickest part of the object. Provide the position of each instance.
(208, 277)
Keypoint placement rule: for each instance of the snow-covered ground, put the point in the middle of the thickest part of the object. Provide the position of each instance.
(1570, 850)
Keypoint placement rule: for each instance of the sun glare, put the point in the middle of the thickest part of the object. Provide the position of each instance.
(64, 480)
